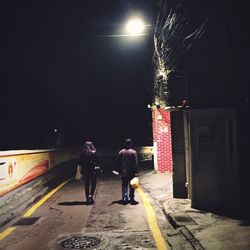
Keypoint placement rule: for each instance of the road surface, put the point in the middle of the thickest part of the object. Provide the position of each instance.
(63, 220)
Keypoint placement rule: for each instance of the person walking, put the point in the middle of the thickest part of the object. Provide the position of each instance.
(88, 160)
(127, 168)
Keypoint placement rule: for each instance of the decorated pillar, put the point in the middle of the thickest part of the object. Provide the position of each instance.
(162, 140)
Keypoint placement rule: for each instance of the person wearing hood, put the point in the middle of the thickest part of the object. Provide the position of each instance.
(88, 160)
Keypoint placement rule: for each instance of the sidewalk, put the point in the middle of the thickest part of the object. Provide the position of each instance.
(202, 229)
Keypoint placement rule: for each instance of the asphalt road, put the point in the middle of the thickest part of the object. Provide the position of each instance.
(64, 221)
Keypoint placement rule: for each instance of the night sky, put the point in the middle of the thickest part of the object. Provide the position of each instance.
(60, 70)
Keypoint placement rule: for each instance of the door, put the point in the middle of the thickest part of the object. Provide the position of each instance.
(214, 159)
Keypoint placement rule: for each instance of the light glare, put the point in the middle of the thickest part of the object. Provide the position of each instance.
(135, 27)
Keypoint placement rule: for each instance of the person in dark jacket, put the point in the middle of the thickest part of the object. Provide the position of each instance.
(88, 160)
(127, 168)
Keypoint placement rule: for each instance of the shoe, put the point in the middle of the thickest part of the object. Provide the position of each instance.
(90, 200)
(125, 201)
(133, 202)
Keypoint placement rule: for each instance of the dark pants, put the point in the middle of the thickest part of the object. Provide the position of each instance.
(90, 185)
(125, 185)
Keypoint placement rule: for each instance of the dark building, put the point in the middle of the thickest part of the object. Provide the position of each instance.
(208, 92)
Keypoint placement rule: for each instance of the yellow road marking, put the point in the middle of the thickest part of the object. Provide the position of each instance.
(40, 202)
(33, 209)
(6, 232)
(153, 225)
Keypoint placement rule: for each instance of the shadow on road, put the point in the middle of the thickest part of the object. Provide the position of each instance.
(121, 202)
(73, 203)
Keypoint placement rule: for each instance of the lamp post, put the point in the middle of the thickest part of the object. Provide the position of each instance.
(162, 147)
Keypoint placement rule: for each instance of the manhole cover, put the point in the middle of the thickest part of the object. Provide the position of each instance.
(90, 241)
(80, 242)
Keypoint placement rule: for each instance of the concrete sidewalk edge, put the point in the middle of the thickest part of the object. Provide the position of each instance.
(15, 202)
(195, 243)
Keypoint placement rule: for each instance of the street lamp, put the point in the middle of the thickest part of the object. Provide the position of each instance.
(135, 27)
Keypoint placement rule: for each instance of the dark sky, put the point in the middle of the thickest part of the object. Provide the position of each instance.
(59, 70)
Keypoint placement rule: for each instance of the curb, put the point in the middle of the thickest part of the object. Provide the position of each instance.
(24, 198)
(12, 212)
(13, 203)
(184, 230)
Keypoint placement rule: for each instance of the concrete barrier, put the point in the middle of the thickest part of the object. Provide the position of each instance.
(19, 167)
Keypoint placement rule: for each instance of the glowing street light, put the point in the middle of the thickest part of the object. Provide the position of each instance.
(135, 27)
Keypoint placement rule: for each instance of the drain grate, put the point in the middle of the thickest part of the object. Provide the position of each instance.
(80, 242)
(26, 221)
(180, 219)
